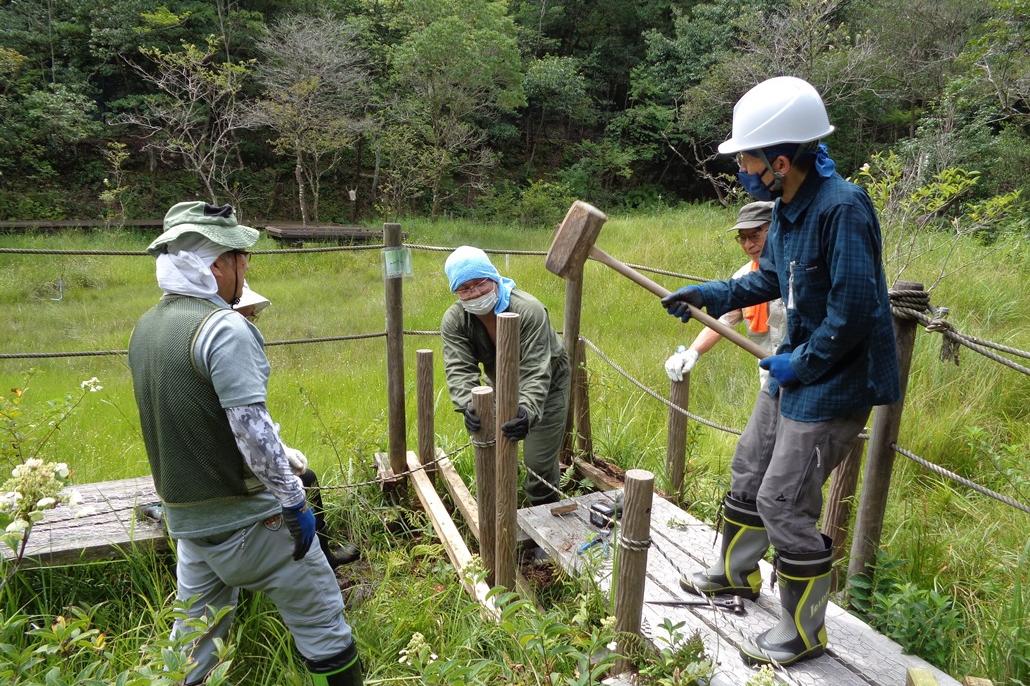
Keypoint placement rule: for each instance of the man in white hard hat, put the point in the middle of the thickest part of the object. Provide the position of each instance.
(823, 258)
(765, 323)
(235, 509)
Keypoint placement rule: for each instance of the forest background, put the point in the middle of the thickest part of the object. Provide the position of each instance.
(482, 108)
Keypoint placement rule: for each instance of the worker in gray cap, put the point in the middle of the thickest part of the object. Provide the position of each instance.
(765, 322)
(236, 510)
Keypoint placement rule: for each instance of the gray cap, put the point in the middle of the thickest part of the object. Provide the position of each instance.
(753, 215)
(217, 224)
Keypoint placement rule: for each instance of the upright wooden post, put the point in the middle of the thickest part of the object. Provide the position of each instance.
(880, 458)
(486, 479)
(838, 501)
(396, 422)
(507, 384)
(425, 408)
(570, 334)
(634, 538)
(581, 402)
(676, 441)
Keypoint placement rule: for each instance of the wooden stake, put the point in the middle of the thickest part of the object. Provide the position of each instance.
(570, 334)
(676, 442)
(838, 502)
(486, 479)
(632, 563)
(506, 478)
(425, 409)
(581, 401)
(880, 458)
(396, 422)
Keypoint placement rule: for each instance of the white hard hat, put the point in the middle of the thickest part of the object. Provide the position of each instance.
(784, 109)
(249, 297)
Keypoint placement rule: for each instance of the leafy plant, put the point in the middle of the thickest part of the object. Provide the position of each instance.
(679, 661)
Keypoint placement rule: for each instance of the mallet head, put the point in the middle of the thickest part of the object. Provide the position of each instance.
(573, 240)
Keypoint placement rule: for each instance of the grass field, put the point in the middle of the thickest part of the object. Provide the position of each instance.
(330, 399)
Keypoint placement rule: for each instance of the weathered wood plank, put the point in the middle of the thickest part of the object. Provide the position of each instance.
(683, 544)
(453, 543)
(110, 527)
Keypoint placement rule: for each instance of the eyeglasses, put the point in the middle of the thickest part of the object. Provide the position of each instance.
(471, 286)
(754, 236)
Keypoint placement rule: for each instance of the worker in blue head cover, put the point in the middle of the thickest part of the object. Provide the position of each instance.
(469, 330)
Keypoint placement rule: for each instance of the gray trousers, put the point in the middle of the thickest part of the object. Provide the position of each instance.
(260, 558)
(543, 442)
(781, 464)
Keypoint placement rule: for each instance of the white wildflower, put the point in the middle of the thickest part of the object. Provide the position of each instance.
(92, 385)
(18, 526)
(61, 470)
(45, 503)
(73, 497)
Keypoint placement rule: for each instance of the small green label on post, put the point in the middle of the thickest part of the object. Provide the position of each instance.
(396, 263)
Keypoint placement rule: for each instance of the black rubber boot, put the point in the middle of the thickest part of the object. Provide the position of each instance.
(341, 670)
(336, 555)
(804, 580)
(744, 542)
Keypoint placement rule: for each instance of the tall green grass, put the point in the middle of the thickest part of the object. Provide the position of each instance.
(330, 397)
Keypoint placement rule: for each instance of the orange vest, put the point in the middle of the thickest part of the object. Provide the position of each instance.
(757, 316)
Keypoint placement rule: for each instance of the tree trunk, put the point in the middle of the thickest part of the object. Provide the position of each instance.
(298, 175)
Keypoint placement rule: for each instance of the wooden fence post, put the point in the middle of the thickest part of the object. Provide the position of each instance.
(581, 400)
(880, 457)
(570, 335)
(676, 441)
(425, 409)
(486, 480)
(507, 385)
(396, 422)
(634, 531)
(838, 501)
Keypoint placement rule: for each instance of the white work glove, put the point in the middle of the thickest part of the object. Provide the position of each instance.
(680, 363)
(298, 460)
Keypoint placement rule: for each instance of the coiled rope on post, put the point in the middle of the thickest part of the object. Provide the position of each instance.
(937, 469)
(915, 305)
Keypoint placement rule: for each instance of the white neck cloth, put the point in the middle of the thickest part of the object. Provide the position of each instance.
(186, 268)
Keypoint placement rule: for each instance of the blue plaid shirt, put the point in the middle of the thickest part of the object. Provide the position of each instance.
(823, 258)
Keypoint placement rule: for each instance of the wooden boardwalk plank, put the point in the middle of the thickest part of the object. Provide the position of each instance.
(857, 654)
(112, 526)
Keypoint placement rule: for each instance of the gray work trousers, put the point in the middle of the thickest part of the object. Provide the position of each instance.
(543, 442)
(781, 464)
(259, 557)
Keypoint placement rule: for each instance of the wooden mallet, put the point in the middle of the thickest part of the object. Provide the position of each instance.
(574, 242)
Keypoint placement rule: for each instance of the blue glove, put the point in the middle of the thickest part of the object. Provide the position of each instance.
(676, 303)
(301, 523)
(779, 367)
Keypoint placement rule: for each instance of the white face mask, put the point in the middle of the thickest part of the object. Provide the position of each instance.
(484, 304)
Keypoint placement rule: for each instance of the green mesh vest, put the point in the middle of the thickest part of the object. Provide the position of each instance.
(193, 455)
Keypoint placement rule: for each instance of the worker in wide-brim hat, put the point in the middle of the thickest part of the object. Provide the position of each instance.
(233, 505)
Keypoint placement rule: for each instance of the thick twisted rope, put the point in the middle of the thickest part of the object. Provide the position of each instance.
(937, 469)
(654, 394)
(144, 253)
(915, 305)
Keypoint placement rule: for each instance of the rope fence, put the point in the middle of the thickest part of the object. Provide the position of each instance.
(907, 304)
(936, 468)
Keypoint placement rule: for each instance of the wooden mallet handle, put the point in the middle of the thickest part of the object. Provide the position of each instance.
(661, 291)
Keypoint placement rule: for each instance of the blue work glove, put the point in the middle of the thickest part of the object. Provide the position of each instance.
(676, 303)
(779, 367)
(301, 523)
(517, 427)
(472, 421)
